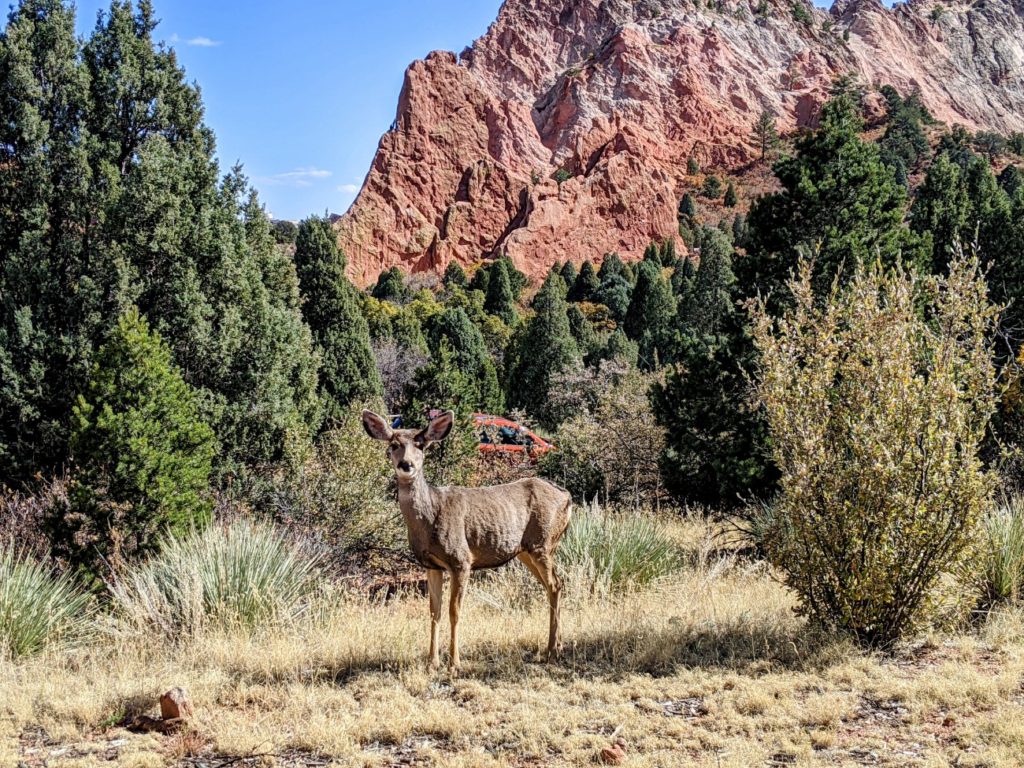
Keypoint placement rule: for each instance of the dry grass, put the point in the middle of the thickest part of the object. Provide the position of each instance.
(708, 668)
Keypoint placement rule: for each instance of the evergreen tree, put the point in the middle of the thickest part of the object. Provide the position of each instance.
(616, 286)
(568, 274)
(687, 209)
(730, 196)
(348, 373)
(620, 348)
(650, 319)
(692, 166)
(142, 453)
(582, 331)
(481, 279)
(500, 301)
(390, 286)
(838, 201)
(709, 303)
(904, 143)
(712, 188)
(454, 275)
(766, 136)
(586, 285)
(942, 210)
(545, 349)
(110, 198)
(469, 353)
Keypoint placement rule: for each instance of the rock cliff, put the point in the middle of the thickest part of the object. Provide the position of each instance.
(565, 130)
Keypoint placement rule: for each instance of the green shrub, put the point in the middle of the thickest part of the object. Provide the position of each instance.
(617, 551)
(239, 575)
(877, 401)
(712, 188)
(1001, 571)
(37, 608)
(143, 453)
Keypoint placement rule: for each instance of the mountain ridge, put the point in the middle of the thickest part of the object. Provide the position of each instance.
(565, 130)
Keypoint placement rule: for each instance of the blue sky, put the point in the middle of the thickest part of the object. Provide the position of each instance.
(301, 92)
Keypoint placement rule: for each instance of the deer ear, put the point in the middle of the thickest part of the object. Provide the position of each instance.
(439, 427)
(375, 426)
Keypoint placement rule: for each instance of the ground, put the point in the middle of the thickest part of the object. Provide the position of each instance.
(708, 668)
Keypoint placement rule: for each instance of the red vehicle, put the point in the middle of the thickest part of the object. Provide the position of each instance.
(504, 436)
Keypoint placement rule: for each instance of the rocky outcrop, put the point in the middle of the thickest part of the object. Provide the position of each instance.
(564, 131)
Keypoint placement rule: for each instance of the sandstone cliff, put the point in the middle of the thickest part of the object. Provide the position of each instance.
(564, 131)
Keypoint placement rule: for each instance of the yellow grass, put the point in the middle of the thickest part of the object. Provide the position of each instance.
(709, 668)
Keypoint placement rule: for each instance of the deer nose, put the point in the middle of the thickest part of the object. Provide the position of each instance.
(405, 466)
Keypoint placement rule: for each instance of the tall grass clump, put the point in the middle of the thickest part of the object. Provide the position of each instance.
(1002, 554)
(616, 551)
(877, 397)
(227, 576)
(37, 608)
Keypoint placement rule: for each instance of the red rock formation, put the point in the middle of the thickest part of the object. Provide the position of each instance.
(564, 131)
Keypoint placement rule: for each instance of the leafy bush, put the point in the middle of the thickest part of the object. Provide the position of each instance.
(37, 608)
(1001, 571)
(342, 495)
(877, 402)
(240, 575)
(617, 551)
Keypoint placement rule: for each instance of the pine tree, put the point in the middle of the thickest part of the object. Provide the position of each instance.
(390, 286)
(838, 201)
(500, 301)
(730, 196)
(142, 453)
(454, 328)
(331, 308)
(586, 285)
(568, 274)
(545, 349)
(454, 275)
(766, 136)
(692, 166)
(687, 210)
(582, 331)
(651, 316)
(616, 288)
(943, 210)
(112, 201)
(712, 188)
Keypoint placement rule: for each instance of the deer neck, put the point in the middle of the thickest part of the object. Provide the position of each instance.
(416, 500)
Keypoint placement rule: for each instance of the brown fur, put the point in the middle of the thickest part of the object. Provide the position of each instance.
(458, 530)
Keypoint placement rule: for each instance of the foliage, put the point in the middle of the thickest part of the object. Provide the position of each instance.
(568, 274)
(454, 275)
(544, 349)
(332, 310)
(730, 200)
(142, 453)
(692, 166)
(617, 551)
(716, 438)
(650, 318)
(242, 575)
(765, 134)
(343, 492)
(838, 201)
(610, 448)
(712, 187)
(500, 300)
(586, 285)
(876, 412)
(390, 286)
(478, 388)
(801, 13)
(904, 142)
(110, 198)
(37, 608)
(1000, 574)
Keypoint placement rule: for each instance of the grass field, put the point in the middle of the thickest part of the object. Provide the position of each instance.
(709, 667)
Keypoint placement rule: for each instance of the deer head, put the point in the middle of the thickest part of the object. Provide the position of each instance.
(406, 447)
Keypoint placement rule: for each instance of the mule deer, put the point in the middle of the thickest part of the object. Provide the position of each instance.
(460, 530)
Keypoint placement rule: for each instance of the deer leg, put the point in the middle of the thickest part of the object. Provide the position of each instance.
(435, 588)
(543, 567)
(460, 578)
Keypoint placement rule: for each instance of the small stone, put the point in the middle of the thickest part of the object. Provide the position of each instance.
(613, 755)
(175, 705)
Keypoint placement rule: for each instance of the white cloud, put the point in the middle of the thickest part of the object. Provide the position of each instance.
(299, 177)
(349, 189)
(199, 42)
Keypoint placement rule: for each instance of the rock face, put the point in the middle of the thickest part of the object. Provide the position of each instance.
(564, 132)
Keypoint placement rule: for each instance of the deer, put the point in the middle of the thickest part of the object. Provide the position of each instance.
(455, 530)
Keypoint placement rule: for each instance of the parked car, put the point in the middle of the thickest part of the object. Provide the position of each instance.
(499, 435)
